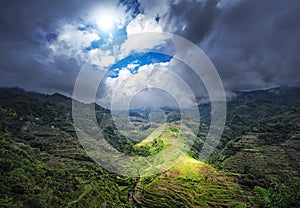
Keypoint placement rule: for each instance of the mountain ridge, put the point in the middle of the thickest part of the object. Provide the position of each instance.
(40, 134)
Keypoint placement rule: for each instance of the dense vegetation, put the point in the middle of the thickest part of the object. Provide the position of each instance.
(262, 143)
(256, 164)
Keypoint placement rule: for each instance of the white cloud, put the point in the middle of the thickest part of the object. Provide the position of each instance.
(71, 41)
(122, 89)
(76, 38)
(132, 66)
(143, 33)
(102, 58)
(143, 23)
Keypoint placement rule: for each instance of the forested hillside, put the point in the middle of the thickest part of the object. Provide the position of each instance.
(255, 165)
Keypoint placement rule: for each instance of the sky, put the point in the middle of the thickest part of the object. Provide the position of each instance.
(254, 44)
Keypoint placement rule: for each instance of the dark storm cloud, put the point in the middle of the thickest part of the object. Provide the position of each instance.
(19, 20)
(26, 29)
(194, 18)
(253, 43)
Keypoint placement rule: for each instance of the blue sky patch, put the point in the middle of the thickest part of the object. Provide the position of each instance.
(138, 60)
(95, 44)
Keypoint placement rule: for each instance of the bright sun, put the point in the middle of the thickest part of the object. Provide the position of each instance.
(106, 22)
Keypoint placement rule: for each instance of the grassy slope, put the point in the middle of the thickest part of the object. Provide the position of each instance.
(189, 183)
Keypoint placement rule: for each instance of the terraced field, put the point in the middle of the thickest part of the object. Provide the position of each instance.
(191, 183)
(188, 183)
(43, 164)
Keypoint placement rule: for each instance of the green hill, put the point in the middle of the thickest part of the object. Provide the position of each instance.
(255, 165)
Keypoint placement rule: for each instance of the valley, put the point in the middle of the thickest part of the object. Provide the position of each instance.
(256, 163)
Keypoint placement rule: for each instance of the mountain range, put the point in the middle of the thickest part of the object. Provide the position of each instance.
(256, 163)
